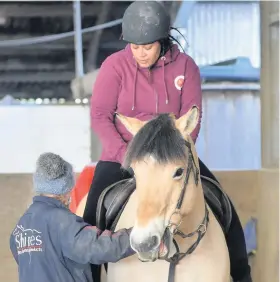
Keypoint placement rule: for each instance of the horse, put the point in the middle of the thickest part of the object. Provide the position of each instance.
(176, 236)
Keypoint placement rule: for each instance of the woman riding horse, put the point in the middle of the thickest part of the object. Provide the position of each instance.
(150, 76)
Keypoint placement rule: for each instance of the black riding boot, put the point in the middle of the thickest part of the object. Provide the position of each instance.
(239, 264)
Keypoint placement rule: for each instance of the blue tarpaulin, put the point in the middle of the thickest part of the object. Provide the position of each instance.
(239, 69)
(251, 236)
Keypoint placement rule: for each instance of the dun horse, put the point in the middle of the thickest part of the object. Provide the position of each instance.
(175, 235)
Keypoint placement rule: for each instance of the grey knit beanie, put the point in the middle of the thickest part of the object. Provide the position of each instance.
(53, 175)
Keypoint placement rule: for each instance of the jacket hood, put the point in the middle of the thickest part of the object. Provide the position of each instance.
(170, 56)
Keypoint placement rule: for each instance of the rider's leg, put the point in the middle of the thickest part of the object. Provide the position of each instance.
(240, 269)
(106, 173)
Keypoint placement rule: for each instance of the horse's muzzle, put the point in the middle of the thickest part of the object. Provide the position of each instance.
(147, 245)
(153, 247)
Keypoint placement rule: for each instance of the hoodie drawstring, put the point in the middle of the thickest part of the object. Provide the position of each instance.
(134, 87)
(163, 74)
(135, 81)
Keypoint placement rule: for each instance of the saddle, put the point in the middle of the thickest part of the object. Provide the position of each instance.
(114, 198)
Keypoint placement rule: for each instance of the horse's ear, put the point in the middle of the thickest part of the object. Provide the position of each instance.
(133, 125)
(188, 122)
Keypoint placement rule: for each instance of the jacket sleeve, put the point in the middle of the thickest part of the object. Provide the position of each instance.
(103, 107)
(192, 93)
(84, 244)
(13, 248)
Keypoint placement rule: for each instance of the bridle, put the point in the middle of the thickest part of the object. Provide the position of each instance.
(202, 228)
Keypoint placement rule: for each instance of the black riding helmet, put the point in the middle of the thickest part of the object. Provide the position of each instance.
(145, 22)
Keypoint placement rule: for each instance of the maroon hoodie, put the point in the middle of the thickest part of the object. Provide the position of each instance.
(172, 86)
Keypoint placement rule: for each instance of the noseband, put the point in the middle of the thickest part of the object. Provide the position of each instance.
(202, 228)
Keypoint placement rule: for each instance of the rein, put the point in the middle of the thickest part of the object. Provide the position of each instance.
(200, 231)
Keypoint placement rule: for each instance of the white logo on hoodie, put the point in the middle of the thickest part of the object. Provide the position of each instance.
(179, 82)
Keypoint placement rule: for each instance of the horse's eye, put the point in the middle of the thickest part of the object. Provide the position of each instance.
(178, 173)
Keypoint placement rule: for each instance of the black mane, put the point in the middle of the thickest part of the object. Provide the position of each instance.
(158, 138)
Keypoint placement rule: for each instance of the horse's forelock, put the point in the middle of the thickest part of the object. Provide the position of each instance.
(158, 138)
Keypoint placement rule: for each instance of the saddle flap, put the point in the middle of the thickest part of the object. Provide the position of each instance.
(112, 202)
(218, 201)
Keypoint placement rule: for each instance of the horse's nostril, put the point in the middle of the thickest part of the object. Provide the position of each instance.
(149, 244)
(154, 241)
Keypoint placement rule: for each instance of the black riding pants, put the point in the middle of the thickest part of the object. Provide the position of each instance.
(107, 173)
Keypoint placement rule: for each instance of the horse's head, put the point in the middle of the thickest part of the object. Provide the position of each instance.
(161, 155)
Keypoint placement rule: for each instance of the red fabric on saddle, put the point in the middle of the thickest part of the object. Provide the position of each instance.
(82, 186)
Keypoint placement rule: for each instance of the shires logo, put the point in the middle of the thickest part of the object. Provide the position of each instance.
(27, 240)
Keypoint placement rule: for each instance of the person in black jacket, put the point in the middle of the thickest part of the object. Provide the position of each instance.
(50, 243)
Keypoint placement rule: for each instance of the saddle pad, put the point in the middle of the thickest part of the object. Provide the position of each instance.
(111, 203)
(218, 201)
(113, 200)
